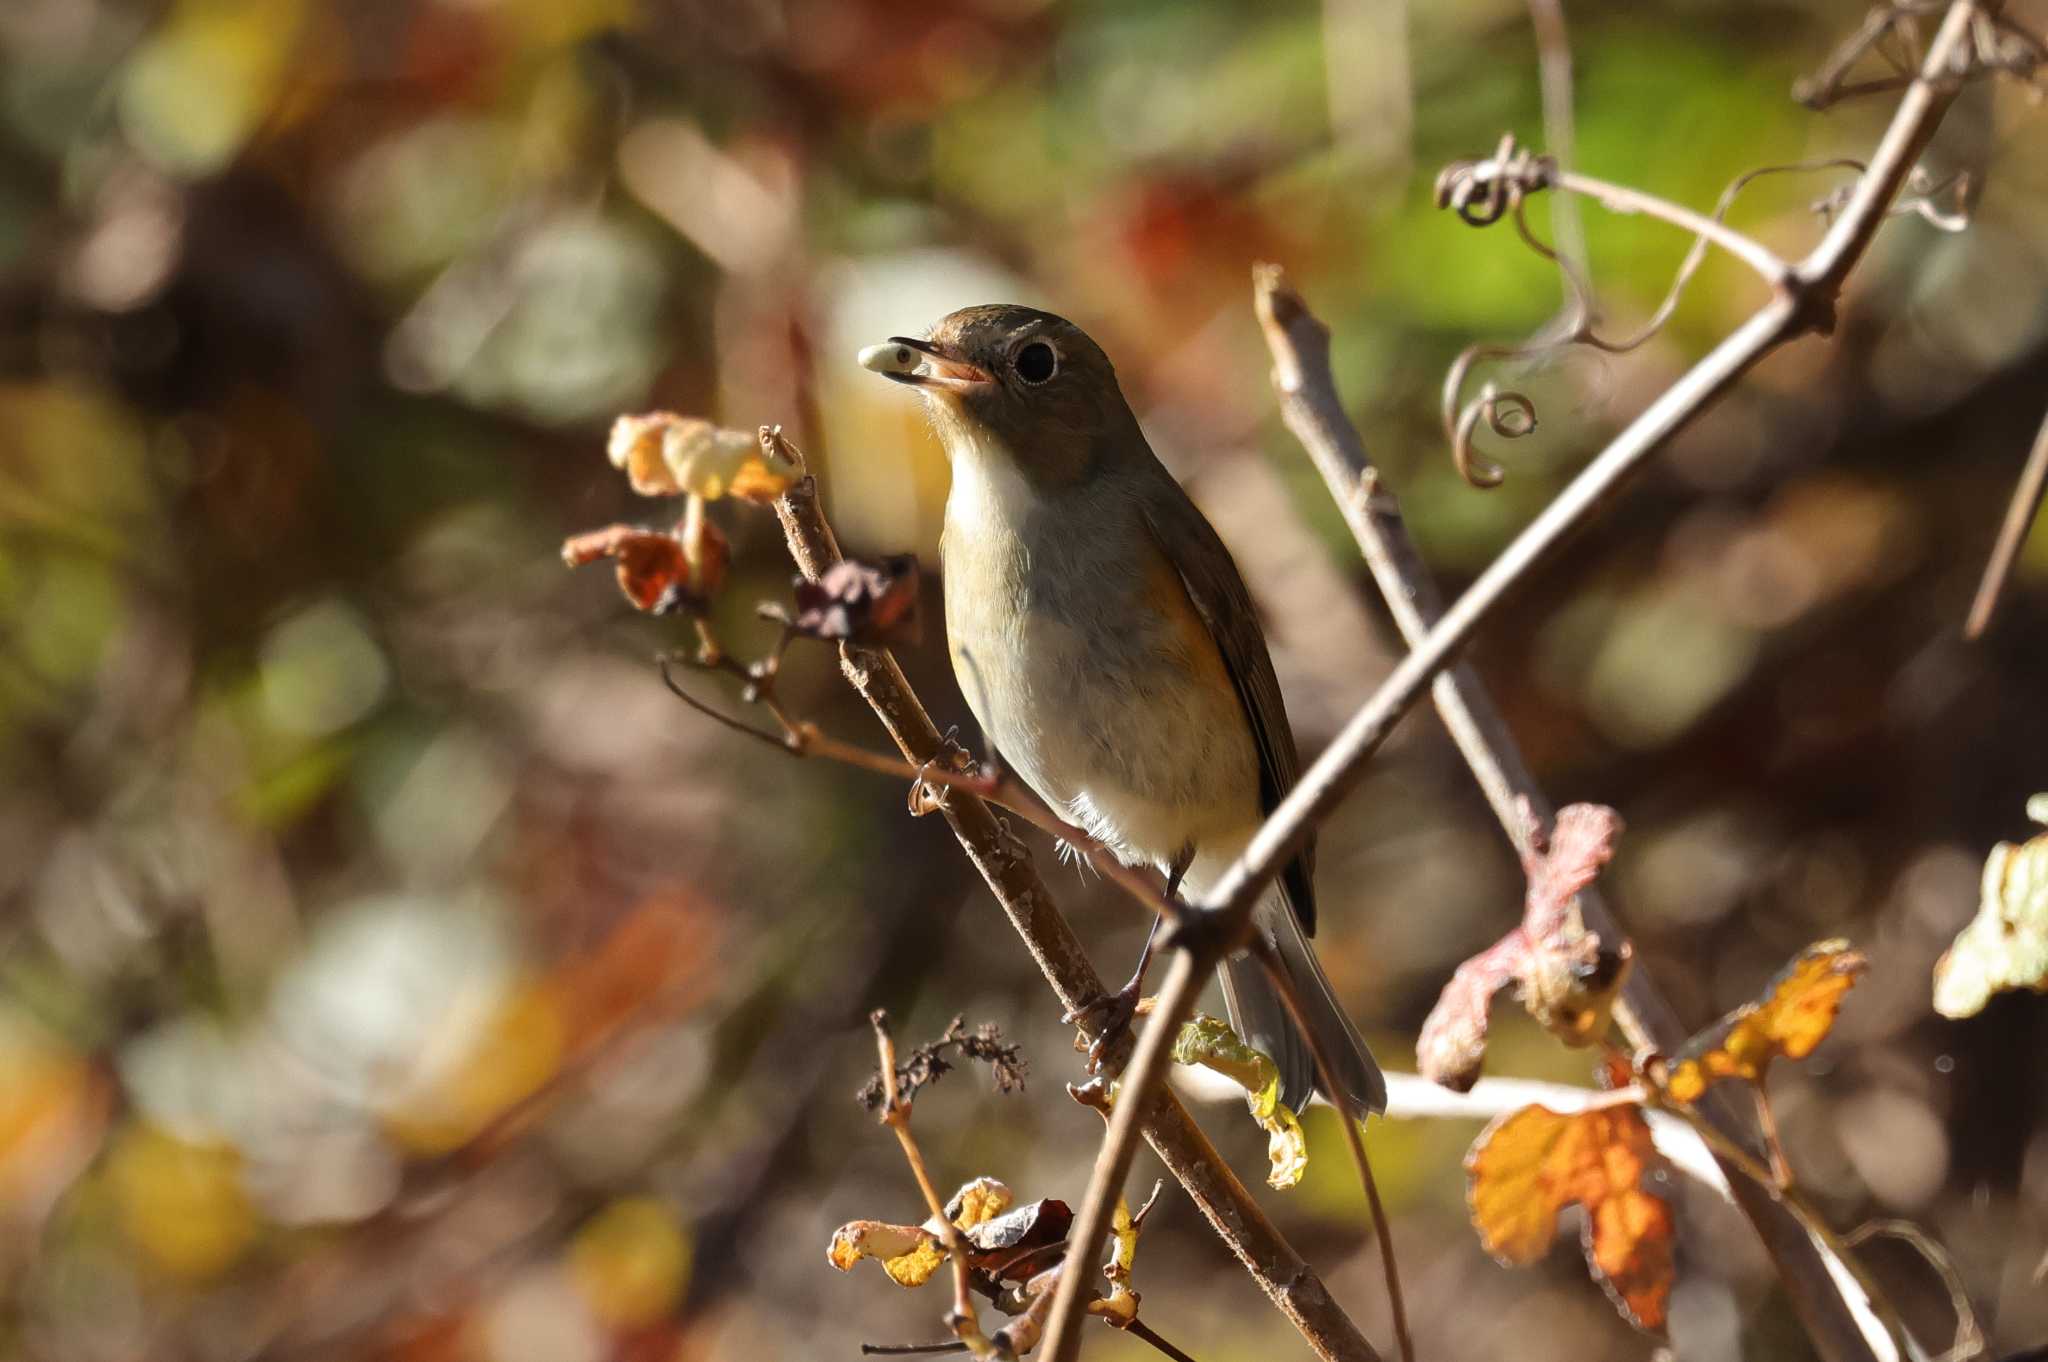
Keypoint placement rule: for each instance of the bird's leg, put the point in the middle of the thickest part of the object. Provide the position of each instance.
(1117, 1009)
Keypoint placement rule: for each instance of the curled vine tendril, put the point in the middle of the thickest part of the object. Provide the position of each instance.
(1483, 191)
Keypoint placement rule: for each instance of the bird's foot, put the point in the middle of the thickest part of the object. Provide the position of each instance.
(1109, 1016)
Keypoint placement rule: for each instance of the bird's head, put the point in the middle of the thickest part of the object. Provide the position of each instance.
(1013, 379)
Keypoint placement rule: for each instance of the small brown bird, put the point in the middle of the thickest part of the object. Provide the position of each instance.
(1104, 639)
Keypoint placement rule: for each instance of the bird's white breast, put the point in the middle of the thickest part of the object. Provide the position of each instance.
(1071, 672)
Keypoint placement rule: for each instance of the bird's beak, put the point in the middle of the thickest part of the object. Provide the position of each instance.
(922, 364)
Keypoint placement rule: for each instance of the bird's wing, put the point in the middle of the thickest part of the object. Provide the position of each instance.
(1219, 596)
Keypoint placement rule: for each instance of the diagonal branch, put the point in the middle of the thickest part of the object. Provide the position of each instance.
(1274, 1265)
(2012, 535)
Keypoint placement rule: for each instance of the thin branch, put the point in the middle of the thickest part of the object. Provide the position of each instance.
(1554, 69)
(1293, 1287)
(1137, 1328)
(951, 1345)
(1511, 414)
(2012, 536)
(896, 1115)
(1353, 1121)
(1142, 1080)
(1969, 1336)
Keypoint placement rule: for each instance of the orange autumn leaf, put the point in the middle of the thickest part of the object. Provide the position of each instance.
(1530, 1164)
(658, 571)
(1795, 1014)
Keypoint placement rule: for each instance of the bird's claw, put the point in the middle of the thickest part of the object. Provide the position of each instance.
(1112, 1014)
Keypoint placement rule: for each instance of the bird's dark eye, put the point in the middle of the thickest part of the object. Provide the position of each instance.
(1036, 362)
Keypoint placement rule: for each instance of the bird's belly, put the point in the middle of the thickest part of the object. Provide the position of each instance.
(1098, 714)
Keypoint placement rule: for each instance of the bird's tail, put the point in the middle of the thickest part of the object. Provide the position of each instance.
(1260, 1015)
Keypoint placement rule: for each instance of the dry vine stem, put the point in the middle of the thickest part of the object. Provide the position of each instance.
(1280, 1272)
(1802, 299)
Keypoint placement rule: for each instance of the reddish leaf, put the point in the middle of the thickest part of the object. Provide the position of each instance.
(1566, 976)
(659, 571)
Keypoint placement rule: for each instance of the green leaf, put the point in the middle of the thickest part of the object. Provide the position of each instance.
(1210, 1042)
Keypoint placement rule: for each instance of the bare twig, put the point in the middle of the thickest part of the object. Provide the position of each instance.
(1353, 1121)
(1137, 1328)
(1482, 191)
(2012, 536)
(1185, 975)
(964, 1321)
(1969, 1336)
(1293, 1287)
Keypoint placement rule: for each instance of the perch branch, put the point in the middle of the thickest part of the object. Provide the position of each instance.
(1288, 1281)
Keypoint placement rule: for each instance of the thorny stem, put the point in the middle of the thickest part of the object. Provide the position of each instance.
(1289, 1282)
(896, 1115)
(2012, 535)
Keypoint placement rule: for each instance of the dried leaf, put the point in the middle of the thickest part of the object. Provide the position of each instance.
(862, 602)
(1002, 1244)
(1566, 976)
(659, 571)
(2006, 944)
(664, 454)
(910, 1254)
(1794, 1015)
(1209, 1041)
(1530, 1164)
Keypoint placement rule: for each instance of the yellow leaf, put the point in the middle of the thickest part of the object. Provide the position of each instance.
(1794, 1015)
(976, 1203)
(181, 1203)
(630, 1262)
(2006, 944)
(1530, 1164)
(664, 454)
(1209, 1041)
(1120, 1306)
(910, 1254)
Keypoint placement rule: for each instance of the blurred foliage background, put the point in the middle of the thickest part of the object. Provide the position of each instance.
(390, 968)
